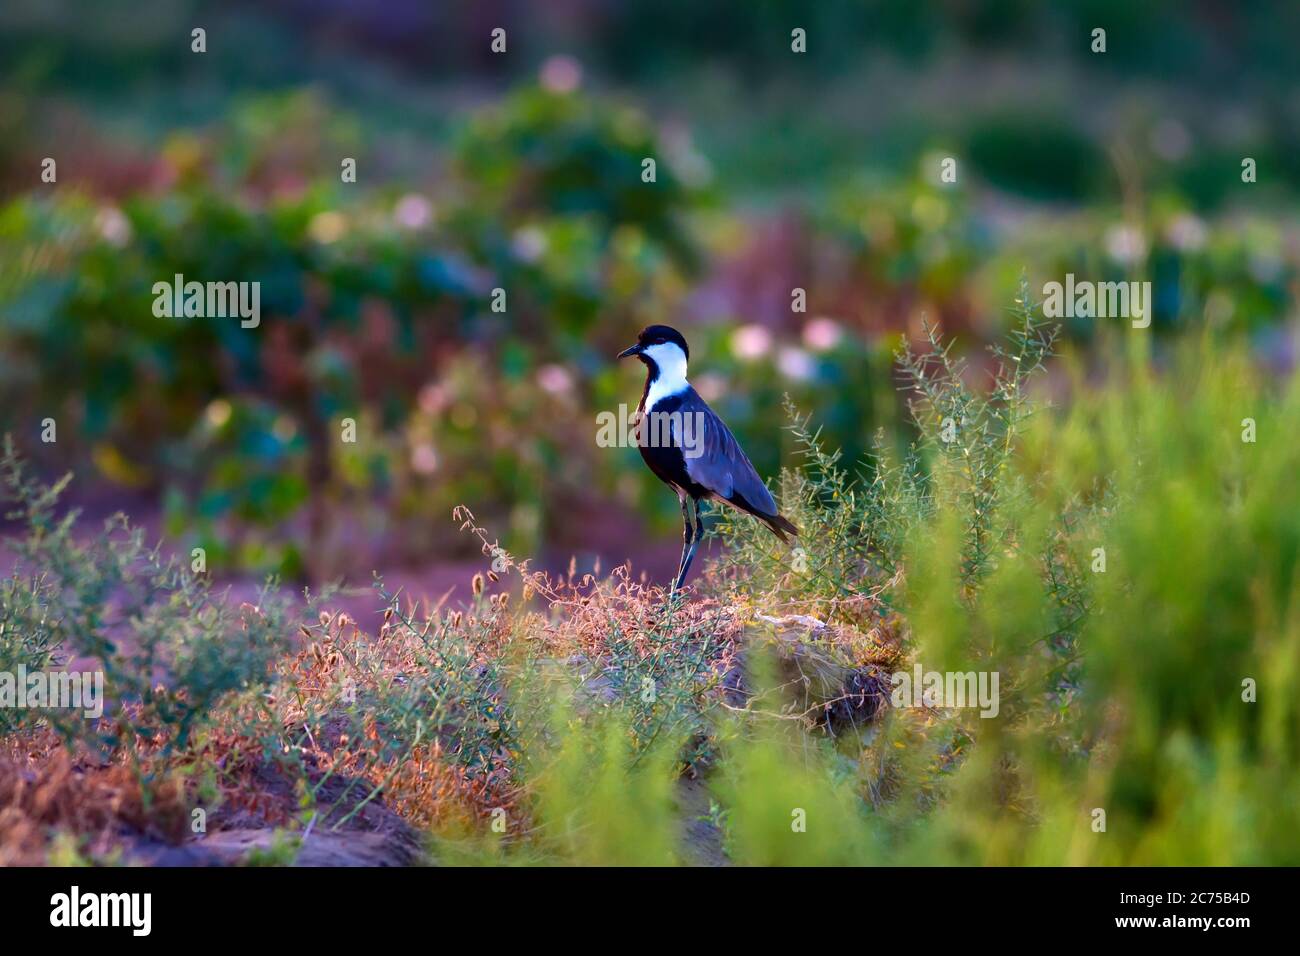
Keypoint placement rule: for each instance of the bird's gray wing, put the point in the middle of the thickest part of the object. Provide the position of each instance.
(713, 457)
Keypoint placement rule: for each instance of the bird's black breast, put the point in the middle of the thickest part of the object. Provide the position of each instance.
(661, 451)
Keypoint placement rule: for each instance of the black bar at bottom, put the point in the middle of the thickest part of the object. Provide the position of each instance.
(335, 906)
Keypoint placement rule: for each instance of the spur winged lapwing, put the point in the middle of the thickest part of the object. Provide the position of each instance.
(689, 448)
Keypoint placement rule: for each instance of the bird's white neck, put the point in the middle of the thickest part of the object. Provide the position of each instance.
(671, 363)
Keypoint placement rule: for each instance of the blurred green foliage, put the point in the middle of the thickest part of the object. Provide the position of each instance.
(523, 173)
(380, 309)
(378, 306)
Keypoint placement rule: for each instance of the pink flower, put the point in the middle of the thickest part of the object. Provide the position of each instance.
(822, 334)
(555, 379)
(561, 74)
(424, 460)
(413, 212)
(751, 342)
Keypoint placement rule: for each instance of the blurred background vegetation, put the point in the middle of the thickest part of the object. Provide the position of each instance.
(522, 171)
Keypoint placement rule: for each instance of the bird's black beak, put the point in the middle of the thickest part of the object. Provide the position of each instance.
(634, 350)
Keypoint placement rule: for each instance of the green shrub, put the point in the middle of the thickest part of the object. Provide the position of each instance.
(169, 647)
(1129, 568)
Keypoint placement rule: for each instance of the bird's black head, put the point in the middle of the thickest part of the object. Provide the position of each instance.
(653, 335)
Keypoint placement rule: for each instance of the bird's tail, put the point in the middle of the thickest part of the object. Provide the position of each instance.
(780, 526)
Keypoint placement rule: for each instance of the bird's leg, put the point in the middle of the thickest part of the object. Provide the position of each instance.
(689, 554)
(688, 536)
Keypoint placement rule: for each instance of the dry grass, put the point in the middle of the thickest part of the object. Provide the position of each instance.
(352, 726)
(45, 791)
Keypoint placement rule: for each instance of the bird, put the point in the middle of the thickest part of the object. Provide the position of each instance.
(689, 448)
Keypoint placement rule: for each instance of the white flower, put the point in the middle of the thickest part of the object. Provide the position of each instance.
(795, 363)
(529, 243)
(1186, 232)
(1125, 244)
(114, 227)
